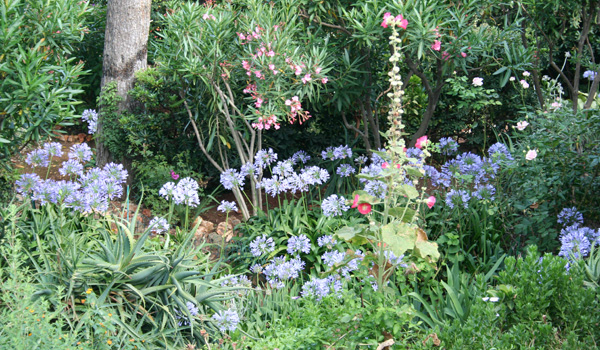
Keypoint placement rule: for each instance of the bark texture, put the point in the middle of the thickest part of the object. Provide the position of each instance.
(125, 52)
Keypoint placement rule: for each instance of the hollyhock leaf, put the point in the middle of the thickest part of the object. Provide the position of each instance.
(427, 250)
(402, 213)
(399, 237)
(409, 191)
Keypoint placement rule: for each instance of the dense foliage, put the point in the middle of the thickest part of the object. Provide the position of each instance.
(408, 175)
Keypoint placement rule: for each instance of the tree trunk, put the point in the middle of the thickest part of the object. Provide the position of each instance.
(125, 52)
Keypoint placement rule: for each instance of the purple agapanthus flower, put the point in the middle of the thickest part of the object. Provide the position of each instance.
(448, 146)
(334, 205)
(457, 197)
(297, 244)
(262, 245)
(38, 158)
(345, 170)
(81, 152)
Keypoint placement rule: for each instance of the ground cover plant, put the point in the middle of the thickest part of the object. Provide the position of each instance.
(455, 209)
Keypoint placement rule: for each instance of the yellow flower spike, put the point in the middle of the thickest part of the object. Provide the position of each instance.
(109, 342)
(89, 291)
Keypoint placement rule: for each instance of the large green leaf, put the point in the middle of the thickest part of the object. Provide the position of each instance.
(399, 237)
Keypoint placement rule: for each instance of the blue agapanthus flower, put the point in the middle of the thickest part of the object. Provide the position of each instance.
(345, 170)
(499, 151)
(158, 225)
(54, 149)
(226, 320)
(569, 217)
(334, 205)
(319, 288)
(457, 197)
(448, 146)
(226, 207)
(262, 245)
(297, 244)
(231, 178)
(264, 158)
(301, 156)
(81, 152)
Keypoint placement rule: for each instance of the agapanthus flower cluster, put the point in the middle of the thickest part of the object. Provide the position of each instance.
(38, 158)
(231, 178)
(226, 320)
(81, 153)
(181, 316)
(590, 74)
(158, 225)
(301, 156)
(91, 117)
(184, 192)
(570, 217)
(87, 191)
(335, 153)
(264, 158)
(279, 270)
(297, 244)
(457, 197)
(499, 151)
(345, 170)
(226, 207)
(319, 288)
(262, 245)
(334, 205)
(448, 146)
(327, 241)
(576, 241)
(242, 282)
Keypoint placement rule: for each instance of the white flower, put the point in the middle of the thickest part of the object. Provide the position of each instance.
(524, 84)
(477, 81)
(512, 79)
(531, 154)
(522, 125)
(526, 74)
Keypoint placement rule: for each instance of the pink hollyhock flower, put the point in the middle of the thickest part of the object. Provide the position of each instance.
(421, 141)
(174, 176)
(385, 165)
(531, 154)
(355, 203)
(398, 166)
(436, 46)
(430, 202)
(364, 208)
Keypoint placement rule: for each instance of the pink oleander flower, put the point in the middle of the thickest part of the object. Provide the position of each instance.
(421, 142)
(524, 84)
(463, 54)
(445, 56)
(386, 15)
(436, 46)
(430, 202)
(324, 80)
(522, 125)
(306, 79)
(401, 22)
(531, 154)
